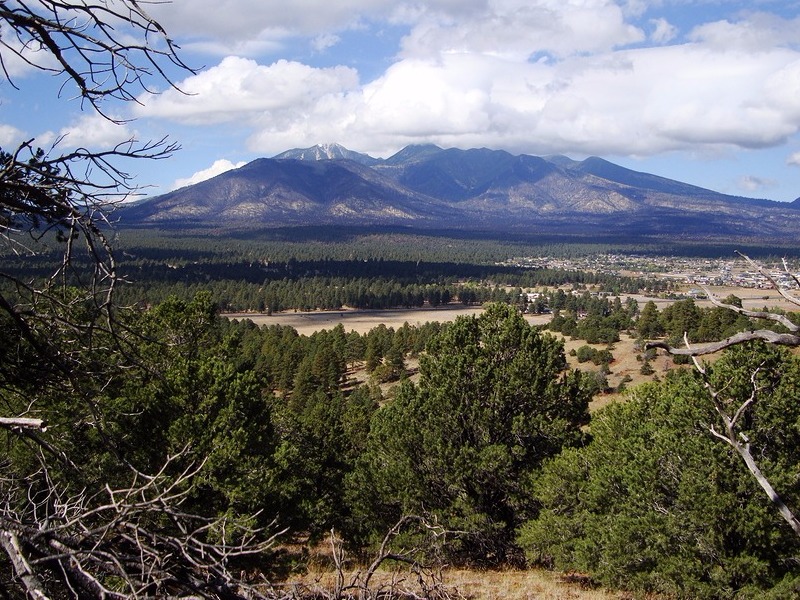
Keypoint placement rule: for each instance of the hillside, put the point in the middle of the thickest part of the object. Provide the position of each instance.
(428, 187)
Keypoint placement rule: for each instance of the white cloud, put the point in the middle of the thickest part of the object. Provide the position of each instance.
(230, 20)
(249, 26)
(219, 166)
(752, 183)
(93, 131)
(324, 41)
(663, 31)
(794, 159)
(639, 101)
(753, 32)
(10, 136)
(21, 59)
(468, 79)
(514, 29)
(240, 88)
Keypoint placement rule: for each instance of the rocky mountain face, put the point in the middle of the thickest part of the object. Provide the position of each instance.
(429, 187)
(327, 152)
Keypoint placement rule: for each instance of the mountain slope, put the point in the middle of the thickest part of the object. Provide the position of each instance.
(327, 152)
(430, 187)
(287, 192)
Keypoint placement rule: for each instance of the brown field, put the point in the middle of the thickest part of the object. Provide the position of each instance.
(362, 321)
(625, 355)
(511, 584)
(531, 584)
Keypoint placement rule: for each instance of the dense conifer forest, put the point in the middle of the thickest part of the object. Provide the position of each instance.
(491, 445)
(155, 448)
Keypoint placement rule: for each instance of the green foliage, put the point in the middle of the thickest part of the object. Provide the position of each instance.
(646, 368)
(598, 357)
(261, 409)
(681, 317)
(656, 504)
(493, 401)
(589, 317)
(649, 325)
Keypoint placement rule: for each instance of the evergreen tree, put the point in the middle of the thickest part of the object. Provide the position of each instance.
(648, 325)
(493, 401)
(655, 503)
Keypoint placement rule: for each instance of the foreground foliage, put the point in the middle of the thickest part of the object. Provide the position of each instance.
(655, 504)
(493, 401)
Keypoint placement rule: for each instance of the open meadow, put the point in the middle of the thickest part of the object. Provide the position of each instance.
(627, 359)
(361, 321)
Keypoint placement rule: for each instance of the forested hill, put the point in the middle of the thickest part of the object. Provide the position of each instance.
(478, 189)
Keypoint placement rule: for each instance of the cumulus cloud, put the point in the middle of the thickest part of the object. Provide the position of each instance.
(219, 166)
(241, 88)
(639, 101)
(93, 131)
(520, 29)
(543, 77)
(230, 20)
(10, 136)
(249, 26)
(794, 159)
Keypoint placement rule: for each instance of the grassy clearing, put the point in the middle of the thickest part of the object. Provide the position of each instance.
(529, 584)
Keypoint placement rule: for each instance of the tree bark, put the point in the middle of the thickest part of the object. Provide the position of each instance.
(10, 543)
(23, 423)
(786, 513)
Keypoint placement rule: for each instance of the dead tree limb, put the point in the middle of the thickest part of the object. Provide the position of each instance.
(791, 339)
(779, 339)
(18, 423)
(739, 441)
(730, 433)
(360, 584)
(22, 570)
(123, 543)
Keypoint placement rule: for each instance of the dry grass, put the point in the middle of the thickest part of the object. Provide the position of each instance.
(360, 321)
(525, 585)
(625, 365)
(478, 585)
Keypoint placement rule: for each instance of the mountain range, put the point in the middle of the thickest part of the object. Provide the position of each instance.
(427, 187)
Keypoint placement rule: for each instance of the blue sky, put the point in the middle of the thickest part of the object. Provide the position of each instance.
(703, 91)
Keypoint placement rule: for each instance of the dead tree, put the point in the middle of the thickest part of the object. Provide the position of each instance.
(730, 412)
(361, 584)
(132, 542)
(57, 201)
(792, 338)
(738, 440)
(107, 49)
(57, 538)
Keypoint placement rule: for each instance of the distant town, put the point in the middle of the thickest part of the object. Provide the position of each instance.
(734, 272)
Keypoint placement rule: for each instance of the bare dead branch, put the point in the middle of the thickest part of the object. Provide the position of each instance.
(78, 542)
(789, 297)
(760, 314)
(19, 423)
(791, 339)
(779, 339)
(107, 50)
(33, 586)
(737, 440)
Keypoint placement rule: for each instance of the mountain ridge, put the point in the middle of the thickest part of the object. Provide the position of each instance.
(425, 186)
